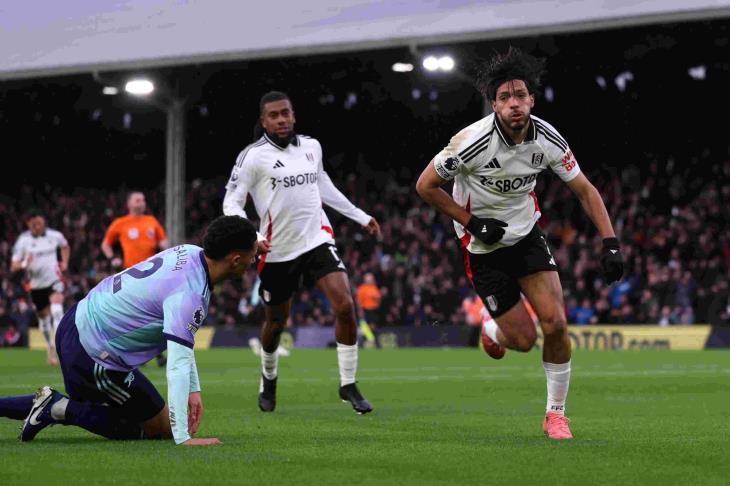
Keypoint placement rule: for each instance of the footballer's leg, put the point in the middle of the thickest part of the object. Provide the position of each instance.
(514, 329)
(276, 316)
(42, 305)
(498, 289)
(107, 403)
(510, 326)
(545, 294)
(158, 427)
(336, 287)
(279, 281)
(136, 411)
(120, 406)
(56, 307)
(16, 407)
(45, 324)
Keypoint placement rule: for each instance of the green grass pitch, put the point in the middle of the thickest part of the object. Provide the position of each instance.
(441, 417)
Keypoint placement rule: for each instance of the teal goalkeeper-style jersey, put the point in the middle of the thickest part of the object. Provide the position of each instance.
(127, 319)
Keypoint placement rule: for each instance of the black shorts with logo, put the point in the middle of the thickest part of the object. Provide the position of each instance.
(495, 275)
(279, 280)
(41, 297)
(87, 381)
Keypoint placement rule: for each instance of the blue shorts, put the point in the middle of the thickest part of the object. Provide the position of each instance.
(87, 381)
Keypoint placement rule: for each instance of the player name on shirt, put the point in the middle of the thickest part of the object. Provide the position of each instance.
(182, 257)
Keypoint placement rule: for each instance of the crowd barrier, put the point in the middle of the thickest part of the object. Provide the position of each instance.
(593, 337)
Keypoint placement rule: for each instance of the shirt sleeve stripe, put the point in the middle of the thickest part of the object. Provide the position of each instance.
(554, 133)
(553, 140)
(465, 152)
(178, 340)
(242, 156)
(477, 150)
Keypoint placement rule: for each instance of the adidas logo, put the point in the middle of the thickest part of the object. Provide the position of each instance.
(614, 251)
(278, 164)
(494, 164)
(484, 229)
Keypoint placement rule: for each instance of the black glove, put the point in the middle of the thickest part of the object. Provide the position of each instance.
(488, 230)
(612, 261)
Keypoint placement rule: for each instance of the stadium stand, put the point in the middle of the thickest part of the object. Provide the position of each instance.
(677, 242)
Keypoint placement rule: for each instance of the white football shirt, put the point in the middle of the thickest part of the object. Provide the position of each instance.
(288, 186)
(43, 268)
(495, 178)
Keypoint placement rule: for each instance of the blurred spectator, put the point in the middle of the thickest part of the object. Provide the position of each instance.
(666, 317)
(583, 314)
(6, 325)
(475, 313)
(675, 238)
(11, 337)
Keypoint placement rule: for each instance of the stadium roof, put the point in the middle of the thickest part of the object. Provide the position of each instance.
(86, 35)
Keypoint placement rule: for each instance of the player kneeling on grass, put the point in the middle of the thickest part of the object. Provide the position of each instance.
(127, 320)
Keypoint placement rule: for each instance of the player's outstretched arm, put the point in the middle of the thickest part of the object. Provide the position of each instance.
(333, 198)
(590, 199)
(111, 237)
(181, 378)
(235, 199)
(16, 265)
(238, 186)
(19, 256)
(65, 256)
(592, 204)
(429, 188)
(488, 230)
(195, 402)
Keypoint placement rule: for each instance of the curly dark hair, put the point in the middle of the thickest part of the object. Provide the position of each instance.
(513, 64)
(226, 234)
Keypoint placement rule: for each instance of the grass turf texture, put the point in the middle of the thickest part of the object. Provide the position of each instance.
(441, 416)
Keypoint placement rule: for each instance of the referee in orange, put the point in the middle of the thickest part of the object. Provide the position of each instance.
(140, 236)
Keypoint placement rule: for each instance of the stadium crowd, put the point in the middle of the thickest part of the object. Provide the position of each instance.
(672, 218)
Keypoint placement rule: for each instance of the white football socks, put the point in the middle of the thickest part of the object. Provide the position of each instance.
(57, 314)
(558, 381)
(58, 409)
(347, 361)
(490, 329)
(269, 364)
(45, 324)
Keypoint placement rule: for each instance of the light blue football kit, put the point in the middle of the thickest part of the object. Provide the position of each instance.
(130, 317)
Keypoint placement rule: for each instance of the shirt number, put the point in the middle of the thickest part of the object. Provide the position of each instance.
(135, 272)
